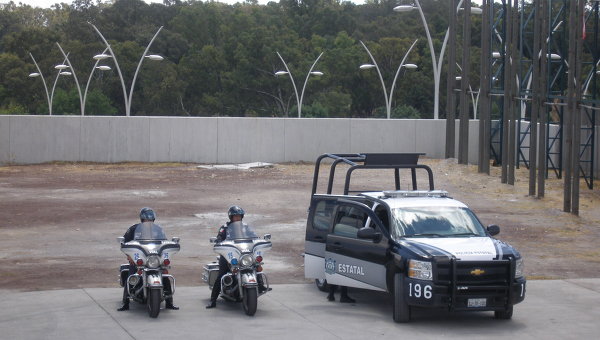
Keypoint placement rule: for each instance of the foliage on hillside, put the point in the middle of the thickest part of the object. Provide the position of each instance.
(220, 59)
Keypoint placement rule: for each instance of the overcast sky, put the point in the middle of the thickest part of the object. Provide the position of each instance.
(48, 3)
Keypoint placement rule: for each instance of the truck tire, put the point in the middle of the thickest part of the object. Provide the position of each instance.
(504, 314)
(322, 285)
(401, 308)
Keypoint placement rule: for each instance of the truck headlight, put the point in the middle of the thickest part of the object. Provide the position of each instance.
(419, 270)
(519, 268)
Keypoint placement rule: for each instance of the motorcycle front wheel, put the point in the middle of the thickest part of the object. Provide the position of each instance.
(153, 302)
(250, 300)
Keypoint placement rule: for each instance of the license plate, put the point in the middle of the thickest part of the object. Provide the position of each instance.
(474, 303)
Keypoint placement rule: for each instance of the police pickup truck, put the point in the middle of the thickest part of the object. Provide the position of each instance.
(422, 246)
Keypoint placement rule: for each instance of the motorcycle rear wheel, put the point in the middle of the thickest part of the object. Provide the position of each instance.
(153, 302)
(250, 300)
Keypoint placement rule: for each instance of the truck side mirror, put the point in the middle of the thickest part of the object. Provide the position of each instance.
(213, 240)
(493, 229)
(175, 239)
(267, 237)
(120, 239)
(369, 234)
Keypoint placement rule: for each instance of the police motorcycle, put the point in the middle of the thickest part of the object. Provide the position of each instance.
(245, 281)
(151, 253)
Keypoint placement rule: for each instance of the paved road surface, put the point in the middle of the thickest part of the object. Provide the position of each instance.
(560, 309)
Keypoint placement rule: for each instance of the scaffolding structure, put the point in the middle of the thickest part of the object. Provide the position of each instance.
(540, 91)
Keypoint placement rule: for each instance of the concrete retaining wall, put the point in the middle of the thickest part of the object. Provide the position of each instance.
(38, 139)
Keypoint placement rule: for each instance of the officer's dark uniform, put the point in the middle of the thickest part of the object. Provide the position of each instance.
(129, 236)
(223, 266)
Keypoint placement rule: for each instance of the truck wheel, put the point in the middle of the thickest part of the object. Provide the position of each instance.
(154, 303)
(250, 300)
(504, 314)
(401, 308)
(322, 285)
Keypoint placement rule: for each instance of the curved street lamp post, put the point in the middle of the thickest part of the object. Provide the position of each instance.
(67, 73)
(96, 67)
(310, 72)
(388, 99)
(61, 72)
(127, 97)
(436, 63)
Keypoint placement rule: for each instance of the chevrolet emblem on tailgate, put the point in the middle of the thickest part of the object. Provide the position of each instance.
(477, 272)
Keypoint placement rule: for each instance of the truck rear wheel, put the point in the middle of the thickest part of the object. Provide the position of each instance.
(322, 285)
(401, 308)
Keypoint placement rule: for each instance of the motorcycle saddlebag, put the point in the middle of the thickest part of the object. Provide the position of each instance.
(211, 271)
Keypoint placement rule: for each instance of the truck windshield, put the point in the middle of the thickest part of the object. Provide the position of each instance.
(435, 222)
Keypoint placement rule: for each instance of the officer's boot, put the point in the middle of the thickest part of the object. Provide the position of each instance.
(345, 298)
(169, 304)
(124, 306)
(331, 295)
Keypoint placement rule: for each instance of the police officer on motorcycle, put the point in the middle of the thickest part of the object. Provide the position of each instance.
(146, 215)
(235, 214)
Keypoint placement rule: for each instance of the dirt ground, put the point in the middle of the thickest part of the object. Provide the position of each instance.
(59, 222)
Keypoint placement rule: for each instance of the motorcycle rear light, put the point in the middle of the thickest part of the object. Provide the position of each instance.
(165, 271)
(259, 258)
(140, 272)
(167, 262)
(139, 262)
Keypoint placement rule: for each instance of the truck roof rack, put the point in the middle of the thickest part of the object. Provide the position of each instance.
(415, 193)
(357, 161)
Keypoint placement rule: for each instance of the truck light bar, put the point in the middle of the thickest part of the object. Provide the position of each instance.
(415, 193)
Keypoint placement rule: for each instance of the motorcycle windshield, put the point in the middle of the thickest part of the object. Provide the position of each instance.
(240, 231)
(148, 231)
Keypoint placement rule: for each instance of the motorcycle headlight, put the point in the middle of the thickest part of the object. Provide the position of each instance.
(247, 260)
(153, 262)
(419, 270)
(519, 267)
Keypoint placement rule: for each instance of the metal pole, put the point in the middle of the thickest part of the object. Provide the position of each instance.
(535, 99)
(43, 81)
(138, 69)
(571, 105)
(55, 82)
(388, 98)
(305, 82)
(436, 71)
(463, 136)
(508, 83)
(512, 138)
(112, 54)
(396, 76)
(450, 82)
(578, 110)
(293, 83)
(484, 91)
(380, 78)
(542, 138)
(75, 77)
(89, 79)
